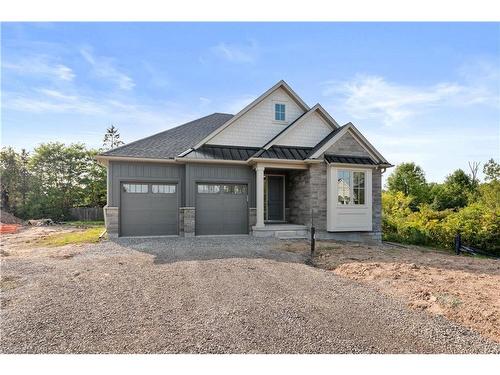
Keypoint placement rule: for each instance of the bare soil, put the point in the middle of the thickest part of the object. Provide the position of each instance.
(463, 289)
(203, 295)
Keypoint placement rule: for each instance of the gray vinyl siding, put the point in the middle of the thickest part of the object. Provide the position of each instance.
(196, 173)
(130, 171)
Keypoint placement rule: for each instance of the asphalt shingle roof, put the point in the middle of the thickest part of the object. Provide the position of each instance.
(170, 143)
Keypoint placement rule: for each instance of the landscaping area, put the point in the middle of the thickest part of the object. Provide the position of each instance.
(235, 295)
(463, 289)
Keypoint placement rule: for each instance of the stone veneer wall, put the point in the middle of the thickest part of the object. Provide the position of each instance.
(187, 216)
(252, 218)
(307, 194)
(377, 204)
(111, 221)
(298, 192)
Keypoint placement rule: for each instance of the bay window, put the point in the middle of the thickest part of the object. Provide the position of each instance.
(351, 188)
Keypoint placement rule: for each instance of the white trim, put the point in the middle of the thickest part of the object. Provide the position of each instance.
(132, 159)
(348, 217)
(280, 84)
(271, 163)
(368, 144)
(328, 144)
(210, 161)
(359, 138)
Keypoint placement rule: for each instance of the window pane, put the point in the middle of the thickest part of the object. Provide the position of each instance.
(279, 112)
(208, 189)
(135, 188)
(359, 187)
(163, 189)
(344, 187)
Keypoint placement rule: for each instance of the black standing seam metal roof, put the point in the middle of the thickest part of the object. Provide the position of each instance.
(284, 152)
(170, 143)
(347, 159)
(222, 152)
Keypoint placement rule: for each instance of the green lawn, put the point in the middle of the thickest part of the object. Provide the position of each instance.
(84, 224)
(89, 235)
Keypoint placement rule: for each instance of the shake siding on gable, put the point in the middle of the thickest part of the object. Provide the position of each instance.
(306, 133)
(256, 127)
(347, 145)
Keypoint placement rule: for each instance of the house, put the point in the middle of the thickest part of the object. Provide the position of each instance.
(276, 168)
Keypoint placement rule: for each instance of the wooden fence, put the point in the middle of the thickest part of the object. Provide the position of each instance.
(87, 213)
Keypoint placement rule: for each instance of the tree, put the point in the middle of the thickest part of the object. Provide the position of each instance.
(10, 170)
(94, 181)
(409, 179)
(112, 138)
(491, 171)
(474, 168)
(454, 192)
(59, 172)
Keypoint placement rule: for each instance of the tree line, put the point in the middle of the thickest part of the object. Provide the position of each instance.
(53, 178)
(422, 213)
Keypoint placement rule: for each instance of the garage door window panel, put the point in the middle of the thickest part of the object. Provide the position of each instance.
(163, 189)
(135, 188)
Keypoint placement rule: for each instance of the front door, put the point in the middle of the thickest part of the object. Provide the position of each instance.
(275, 198)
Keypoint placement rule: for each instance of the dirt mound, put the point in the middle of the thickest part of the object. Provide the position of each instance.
(6, 218)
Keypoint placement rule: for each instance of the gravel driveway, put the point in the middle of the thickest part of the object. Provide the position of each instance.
(206, 295)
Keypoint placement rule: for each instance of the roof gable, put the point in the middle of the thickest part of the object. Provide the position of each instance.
(307, 130)
(353, 135)
(254, 125)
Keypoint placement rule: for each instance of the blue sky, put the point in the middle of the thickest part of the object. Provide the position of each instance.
(423, 92)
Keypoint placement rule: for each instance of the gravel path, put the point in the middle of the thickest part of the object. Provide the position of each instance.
(206, 295)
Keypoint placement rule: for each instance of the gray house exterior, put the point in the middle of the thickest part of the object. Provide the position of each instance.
(276, 168)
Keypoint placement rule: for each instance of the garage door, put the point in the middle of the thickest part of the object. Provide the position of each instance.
(149, 209)
(221, 209)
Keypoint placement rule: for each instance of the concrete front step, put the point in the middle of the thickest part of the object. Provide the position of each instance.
(282, 231)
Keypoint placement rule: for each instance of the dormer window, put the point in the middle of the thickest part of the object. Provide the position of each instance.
(279, 112)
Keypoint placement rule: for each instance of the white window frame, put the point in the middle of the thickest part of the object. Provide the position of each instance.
(348, 217)
(351, 186)
(274, 112)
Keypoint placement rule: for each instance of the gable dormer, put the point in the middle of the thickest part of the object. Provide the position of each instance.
(261, 120)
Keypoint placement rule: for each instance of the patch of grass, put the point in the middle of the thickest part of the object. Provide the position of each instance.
(8, 282)
(84, 224)
(89, 235)
(448, 300)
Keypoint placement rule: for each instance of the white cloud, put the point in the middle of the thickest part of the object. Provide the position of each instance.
(371, 96)
(374, 97)
(237, 53)
(103, 67)
(40, 66)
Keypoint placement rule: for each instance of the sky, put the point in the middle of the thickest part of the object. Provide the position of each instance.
(422, 92)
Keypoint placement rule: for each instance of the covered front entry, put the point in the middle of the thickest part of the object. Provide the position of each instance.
(274, 198)
(149, 209)
(221, 208)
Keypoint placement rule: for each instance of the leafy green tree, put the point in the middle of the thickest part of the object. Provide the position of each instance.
(112, 138)
(454, 193)
(94, 181)
(60, 174)
(10, 177)
(491, 171)
(409, 179)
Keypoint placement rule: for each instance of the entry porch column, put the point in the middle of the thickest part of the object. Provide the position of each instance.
(260, 196)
